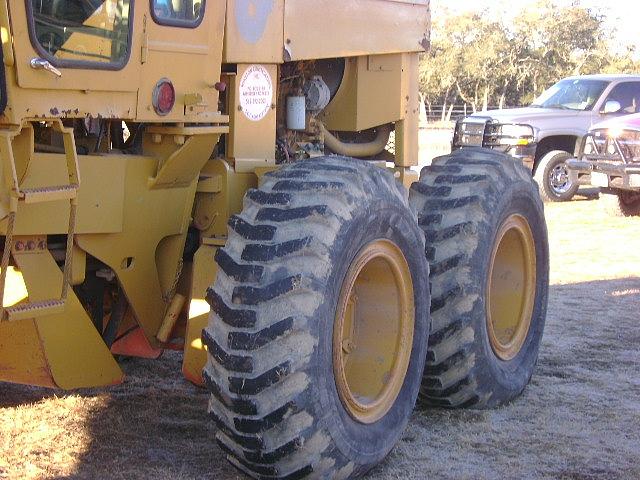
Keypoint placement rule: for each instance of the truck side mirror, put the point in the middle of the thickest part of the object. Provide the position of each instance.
(612, 106)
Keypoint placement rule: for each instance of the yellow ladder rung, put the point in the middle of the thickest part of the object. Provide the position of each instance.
(25, 311)
(49, 194)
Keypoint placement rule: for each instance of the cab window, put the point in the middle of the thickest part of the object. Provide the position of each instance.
(627, 94)
(92, 33)
(178, 13)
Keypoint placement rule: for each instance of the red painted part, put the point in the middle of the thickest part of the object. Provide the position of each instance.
(197, 381)
(135, 344)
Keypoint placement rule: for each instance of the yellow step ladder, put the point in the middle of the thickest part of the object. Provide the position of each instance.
(17, 194)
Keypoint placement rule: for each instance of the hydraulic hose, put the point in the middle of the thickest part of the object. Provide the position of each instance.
(358, 150)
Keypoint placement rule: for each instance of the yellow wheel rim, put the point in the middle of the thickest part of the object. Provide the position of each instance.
(511, 288)
(373, 331)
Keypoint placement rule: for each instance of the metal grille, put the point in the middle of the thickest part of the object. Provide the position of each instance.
(472, 133)
(622, 147)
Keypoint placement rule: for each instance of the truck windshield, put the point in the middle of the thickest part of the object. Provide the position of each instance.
(80, 31)
(572, 95)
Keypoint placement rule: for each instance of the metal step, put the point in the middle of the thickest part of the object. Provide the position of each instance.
(49, 194)
(24, 311)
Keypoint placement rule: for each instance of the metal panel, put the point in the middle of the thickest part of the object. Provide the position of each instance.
(407, 130)
(253, 31)
(100, 203)
(21, 357)
(204, 274)
(149, 217)
(252, 139)
(190, 58)
(75, 354)
(370, 94)
(330, 28)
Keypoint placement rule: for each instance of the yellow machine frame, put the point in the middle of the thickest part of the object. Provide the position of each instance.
(132, 211)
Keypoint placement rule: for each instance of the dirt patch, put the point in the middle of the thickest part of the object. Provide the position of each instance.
(578, 420)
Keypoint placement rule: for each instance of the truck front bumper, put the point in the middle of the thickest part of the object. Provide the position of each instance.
(525, 153)
(619, 176)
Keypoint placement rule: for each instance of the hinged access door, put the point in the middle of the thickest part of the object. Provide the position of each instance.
(76, 38)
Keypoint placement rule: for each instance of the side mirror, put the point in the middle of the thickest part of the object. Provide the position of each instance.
(612, 106)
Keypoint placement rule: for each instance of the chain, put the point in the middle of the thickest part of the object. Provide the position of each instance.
(168, 296)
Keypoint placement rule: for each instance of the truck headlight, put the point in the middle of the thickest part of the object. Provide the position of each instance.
(514, 134)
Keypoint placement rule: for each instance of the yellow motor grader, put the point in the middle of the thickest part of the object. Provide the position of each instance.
(234, 179)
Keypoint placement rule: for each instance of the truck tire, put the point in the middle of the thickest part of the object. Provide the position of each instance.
(317, 336)
(627, 204)
(552, 177)
(487, 247)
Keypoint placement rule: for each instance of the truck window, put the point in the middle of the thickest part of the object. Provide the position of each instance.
(628, 95)
(572, 94)
(90, 33)
(178, 13)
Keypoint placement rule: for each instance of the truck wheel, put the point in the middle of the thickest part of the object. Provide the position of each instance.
(553, 179)
(628, 204)
(319, 324)
(488, 251)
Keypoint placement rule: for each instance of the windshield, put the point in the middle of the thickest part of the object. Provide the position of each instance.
(572, 95)
(72, 31)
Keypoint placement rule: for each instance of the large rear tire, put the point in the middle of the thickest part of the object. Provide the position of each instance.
(487, 247)
(317, 337)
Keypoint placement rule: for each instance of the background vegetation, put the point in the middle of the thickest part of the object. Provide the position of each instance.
(499, 59)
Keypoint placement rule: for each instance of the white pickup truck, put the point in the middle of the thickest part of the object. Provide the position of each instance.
(545, 134)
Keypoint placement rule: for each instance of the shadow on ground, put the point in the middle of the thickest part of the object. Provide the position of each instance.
(579, 418)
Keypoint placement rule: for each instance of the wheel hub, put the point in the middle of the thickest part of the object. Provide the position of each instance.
(559, 179)
(373, 331)
(511, 287)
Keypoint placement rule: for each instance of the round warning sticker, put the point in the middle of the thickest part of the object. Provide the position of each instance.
(256, 92)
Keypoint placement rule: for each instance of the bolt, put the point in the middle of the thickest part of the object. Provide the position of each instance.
(220, 86)
(31, 245)
(348, 346)
(42, 245)
(19, 246)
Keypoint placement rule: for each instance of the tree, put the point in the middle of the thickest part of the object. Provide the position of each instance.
(490, 58)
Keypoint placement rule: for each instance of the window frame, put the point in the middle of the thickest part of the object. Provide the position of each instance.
(3, 84)
(613, 89)
(79, 64)
(168, 22)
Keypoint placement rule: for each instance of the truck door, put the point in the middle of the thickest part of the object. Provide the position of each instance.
(626, 95)
(61, 46)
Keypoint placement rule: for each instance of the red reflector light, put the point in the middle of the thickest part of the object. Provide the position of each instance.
(164, 97)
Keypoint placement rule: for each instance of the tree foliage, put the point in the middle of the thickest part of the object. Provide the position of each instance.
(491, 59)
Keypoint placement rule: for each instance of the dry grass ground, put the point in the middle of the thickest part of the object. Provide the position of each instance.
(579, 419)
